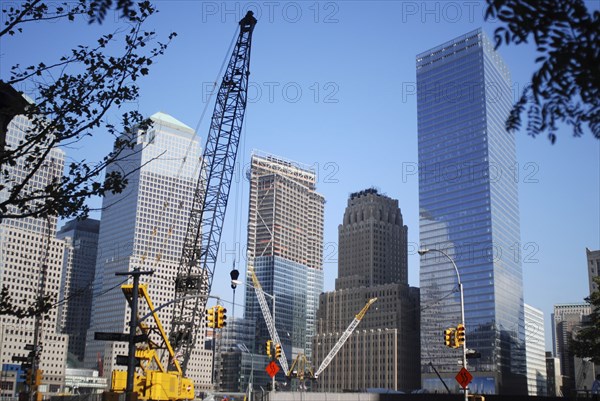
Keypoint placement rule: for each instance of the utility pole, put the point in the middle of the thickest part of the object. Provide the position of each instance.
(136, 273)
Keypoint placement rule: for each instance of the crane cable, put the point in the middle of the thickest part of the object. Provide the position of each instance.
(172, 190)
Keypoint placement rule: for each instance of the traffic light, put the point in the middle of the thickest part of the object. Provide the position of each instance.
(268, 345)
(210, 318)
(29, 376)
(278, 351)
(460, 335)
(38, 377)
(449, 337)
(221, 317)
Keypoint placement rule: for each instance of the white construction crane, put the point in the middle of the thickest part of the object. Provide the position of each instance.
(268, 319)
(344, 337)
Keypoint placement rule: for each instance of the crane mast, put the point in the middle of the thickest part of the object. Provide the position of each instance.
(344, 337)
(201, 243)
(268, 319)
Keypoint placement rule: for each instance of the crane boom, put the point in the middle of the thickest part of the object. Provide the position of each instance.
(201, 241)
(344, 337)
(268, 319)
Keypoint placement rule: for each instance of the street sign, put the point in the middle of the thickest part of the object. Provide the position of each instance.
(123, 360)
(272, 369)
(99, 336)
(16, 358)
(464, 377)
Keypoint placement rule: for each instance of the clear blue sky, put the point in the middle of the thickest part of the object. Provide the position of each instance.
(332, 86)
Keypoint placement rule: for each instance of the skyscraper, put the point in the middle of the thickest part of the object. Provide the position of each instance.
(593, 264)
(31, 263)
(143, 227)
(535, 352)
(76, 281)
(285, 249)
(469, 208)
(383, 351)
(373, 243)
(566, 319)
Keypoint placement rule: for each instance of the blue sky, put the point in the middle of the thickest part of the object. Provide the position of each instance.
(332, 86)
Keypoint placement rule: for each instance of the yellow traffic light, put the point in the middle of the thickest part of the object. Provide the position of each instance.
(268, 345)
(221, 317)
(210, 318)
(449, 337)
(460, 335)
(278, 351)
(38, 377)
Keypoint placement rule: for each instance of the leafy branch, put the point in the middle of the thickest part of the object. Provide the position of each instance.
(39, 307)
(566, 87)
(586, 343)
(74, 96)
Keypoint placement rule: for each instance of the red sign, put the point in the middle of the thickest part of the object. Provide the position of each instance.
(272, 369)
(464, 378)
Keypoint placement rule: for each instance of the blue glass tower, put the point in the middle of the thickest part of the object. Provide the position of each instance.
(285, 250)
(469, 209)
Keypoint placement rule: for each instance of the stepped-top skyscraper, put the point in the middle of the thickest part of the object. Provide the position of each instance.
(383, 351)
(143, 227)
(285, 249)
(373, 242)
(469, 209)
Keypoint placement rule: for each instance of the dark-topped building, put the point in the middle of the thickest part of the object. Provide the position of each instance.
(76, 282)
(372, 242)
(383, 352)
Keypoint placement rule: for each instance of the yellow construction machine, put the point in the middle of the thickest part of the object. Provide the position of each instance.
(154, 382)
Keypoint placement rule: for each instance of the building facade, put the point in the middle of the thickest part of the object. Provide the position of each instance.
(285, 250)
(237, 367)
(31, 264)
(535, 352)
(593, 265)
(553, 375)
(143, 227)
(566, 319)
(469, 209)
(81, 250)
(384, 349)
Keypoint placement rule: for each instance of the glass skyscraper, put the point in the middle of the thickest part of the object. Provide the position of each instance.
(469, 209)
(285, 249)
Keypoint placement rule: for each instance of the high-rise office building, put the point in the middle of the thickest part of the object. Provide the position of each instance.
(77, 279)
(384, 349)
(469, 209)
(236, 366)
(285, 249)
(566, 319)
(593, 265)
(143, 227)
(553, 375)
(535, 352)
(372, 242)
(31, 264)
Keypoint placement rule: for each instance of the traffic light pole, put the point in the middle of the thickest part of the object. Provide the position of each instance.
(136, 273)
(273, 314)
(462, 307)
(462, 314)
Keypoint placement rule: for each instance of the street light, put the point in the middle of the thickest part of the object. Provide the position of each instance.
(462, 303)
(240, 282)
(245, 349)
